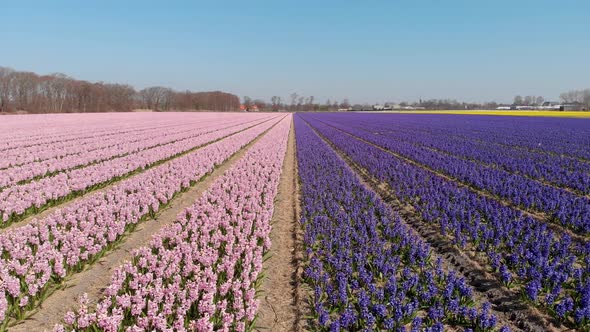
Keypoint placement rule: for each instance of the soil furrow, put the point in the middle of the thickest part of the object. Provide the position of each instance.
(280, 308)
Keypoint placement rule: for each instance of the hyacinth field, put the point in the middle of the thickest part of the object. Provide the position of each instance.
(294, 222)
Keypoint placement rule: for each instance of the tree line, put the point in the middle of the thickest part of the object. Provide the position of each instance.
(296, 103)
(528, 100)
(58, 93)
(577, 97)
(299, 103)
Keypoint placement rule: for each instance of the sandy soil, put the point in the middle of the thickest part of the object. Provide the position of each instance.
(280, 300)
(96, 277)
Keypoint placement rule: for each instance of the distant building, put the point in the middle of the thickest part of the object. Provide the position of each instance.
(384, 107)
(250, 108)
(555, 106)
(550, 106)
(573, 107)
(546, 106)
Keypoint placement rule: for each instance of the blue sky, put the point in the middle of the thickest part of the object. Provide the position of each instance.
(366, 51)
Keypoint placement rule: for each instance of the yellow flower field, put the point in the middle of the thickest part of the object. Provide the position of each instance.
(565, 114)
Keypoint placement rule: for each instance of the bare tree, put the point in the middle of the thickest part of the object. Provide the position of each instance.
(59, 93)
(586, 98)
(247, 101)
(156, 98)
(5, 84)
(300, 101)
(216, 100)
(56, 89)
(260, 104)
(310, 102)
(276, 103)
(148, 97)
(345, 103)
(120, 97)
(528, 100)
(567, 97)
(577, 97)
(518, 100)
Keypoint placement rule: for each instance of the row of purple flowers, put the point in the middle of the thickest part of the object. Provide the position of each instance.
(366, 269)
(551, 270)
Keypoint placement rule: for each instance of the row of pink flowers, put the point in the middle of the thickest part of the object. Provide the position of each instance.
(57, 158)
(32, 130)
(59, 134)
(199, 273)
(101, 149)
(34, 256)
(18, 199)
(75, 145)
(61, 149)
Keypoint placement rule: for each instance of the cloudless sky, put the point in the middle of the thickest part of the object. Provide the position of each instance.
(367, 51)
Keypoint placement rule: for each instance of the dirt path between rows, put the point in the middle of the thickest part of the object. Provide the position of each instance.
(97, 277)
(280, 299)
(506, 304)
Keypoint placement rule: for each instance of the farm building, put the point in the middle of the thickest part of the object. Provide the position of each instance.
(547, 106)
(249, 108)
